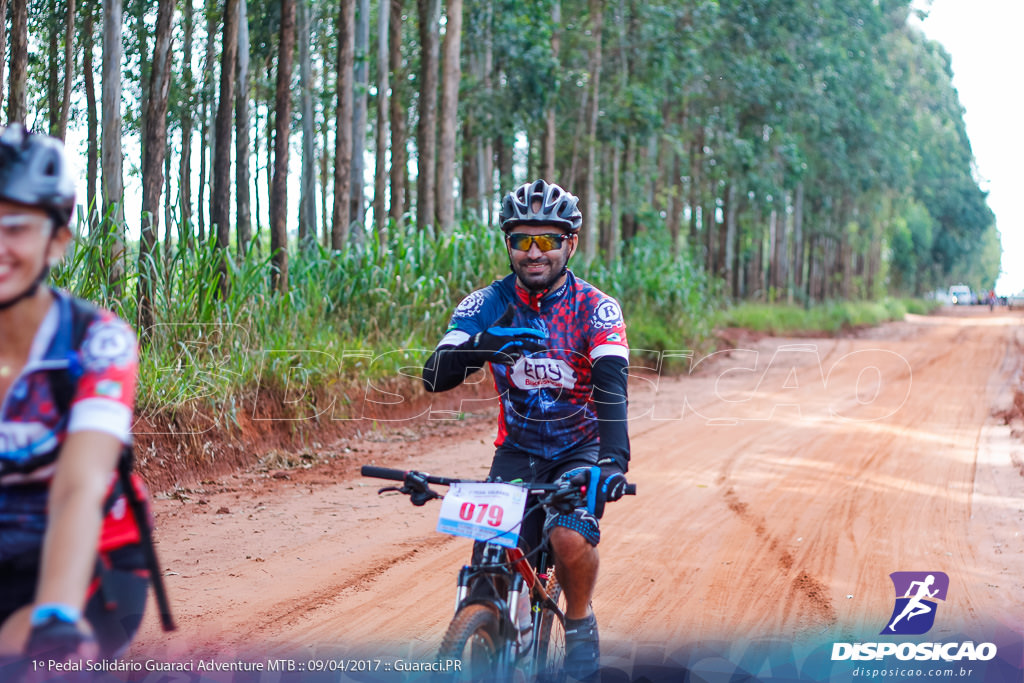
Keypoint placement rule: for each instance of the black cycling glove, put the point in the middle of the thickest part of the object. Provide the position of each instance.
(504, 345)
(613, 478)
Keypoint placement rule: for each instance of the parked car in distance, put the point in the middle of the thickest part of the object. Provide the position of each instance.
(1015, 300)
(961, 295)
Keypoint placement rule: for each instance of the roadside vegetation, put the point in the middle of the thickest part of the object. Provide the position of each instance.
(363, 315)
(728, 156)
(828, 318)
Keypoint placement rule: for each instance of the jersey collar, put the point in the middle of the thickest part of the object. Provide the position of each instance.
(535, 300)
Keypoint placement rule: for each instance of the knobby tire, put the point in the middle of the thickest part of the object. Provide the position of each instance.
(549, 656)
(473, 639)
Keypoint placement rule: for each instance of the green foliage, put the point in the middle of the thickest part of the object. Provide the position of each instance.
(348, 315)
(828, 318)
(667, 300)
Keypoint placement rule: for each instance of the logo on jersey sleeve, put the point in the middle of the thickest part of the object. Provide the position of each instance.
(607, 315)
(470, 306)
(108, 343)
(542, 373)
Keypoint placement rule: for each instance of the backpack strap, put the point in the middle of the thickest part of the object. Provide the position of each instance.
(63, 384)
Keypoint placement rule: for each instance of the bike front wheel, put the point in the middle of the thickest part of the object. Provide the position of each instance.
(474, 640)
(549, 654)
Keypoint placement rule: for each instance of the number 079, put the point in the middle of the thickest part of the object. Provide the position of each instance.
(484, 513)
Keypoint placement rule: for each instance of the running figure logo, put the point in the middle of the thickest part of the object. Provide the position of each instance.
(917, 594)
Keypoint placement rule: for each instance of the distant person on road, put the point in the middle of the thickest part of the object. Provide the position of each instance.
(73, 577)
(557, 348)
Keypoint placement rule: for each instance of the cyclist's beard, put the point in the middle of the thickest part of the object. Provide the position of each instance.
(537, 283)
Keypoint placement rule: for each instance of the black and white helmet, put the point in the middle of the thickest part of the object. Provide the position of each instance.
(35, 172)
(540, 202)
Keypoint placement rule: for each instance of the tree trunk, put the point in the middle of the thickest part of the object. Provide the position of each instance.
(282, 126)
(399, 150)
(3, 47)
(798, 237)
(591, 215)
(341, 216)
(730, 270)
(360, 73)
(383, 134)
(243, 146)
(307, 181)
(111, 152)
(503, 155)
(611, 248)
(69, 67)
(550, 129)
(485, 147)
(91, 114)
(696, 154)
(153, 167)
(142, 50)
(325, 179)
(53, 71)
(220, 204)
(187, 102)
(452, 71)
(17, 104)
(675, 202)
(206, 132)
(426, 127)
(168, 212)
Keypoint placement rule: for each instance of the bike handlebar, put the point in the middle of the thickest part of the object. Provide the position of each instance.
(400, 475)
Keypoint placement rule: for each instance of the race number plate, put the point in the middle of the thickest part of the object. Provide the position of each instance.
(483, 512)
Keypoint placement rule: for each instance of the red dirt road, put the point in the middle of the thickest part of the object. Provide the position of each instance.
(780, 483)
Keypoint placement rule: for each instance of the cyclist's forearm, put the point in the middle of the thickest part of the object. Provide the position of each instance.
(448, 367)
(78, 491)
(611, 405)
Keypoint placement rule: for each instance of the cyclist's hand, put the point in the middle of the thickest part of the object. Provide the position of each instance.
(613, 479)
(504, 345)
(56, 639)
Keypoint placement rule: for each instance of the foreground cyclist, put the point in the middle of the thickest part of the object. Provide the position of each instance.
(72, 575)
(557, 349)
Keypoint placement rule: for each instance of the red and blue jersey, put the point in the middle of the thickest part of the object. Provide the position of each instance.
(33, 427)
(546, 398)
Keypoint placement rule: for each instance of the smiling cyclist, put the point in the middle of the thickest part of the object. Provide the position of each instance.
(557, 348)
(74, 569)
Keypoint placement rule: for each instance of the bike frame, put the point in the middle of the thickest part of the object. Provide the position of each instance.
(497, 577)
(496, 573)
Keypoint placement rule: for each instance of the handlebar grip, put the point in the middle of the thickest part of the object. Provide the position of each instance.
(630, 489)
(382, 473)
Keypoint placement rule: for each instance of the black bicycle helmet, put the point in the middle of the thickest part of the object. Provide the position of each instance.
(540, 202)
(34, 172)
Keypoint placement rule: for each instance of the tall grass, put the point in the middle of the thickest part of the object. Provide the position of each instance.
(828, 318)
(347, 315)
(364, 313)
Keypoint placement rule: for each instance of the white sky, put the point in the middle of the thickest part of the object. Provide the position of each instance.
(983, 39)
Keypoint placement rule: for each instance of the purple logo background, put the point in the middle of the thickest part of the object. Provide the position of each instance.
(917, 596)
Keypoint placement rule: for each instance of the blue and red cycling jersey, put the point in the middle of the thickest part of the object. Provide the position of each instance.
(32, 426)
(546, 398)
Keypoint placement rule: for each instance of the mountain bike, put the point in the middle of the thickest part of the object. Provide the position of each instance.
(509, 622)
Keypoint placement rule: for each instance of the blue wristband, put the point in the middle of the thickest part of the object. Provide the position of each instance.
(50, 610)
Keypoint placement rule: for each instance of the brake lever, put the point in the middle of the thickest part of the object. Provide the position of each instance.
(566, 498)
